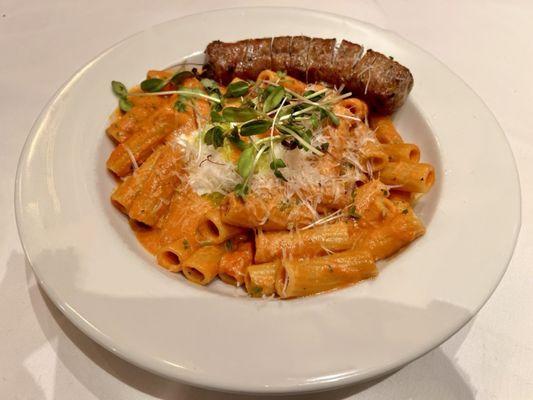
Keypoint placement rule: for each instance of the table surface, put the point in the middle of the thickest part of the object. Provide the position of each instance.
(42, 43)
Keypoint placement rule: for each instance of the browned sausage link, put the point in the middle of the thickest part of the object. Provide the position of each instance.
(382, 82)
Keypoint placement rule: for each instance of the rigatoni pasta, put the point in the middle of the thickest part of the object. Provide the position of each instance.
(278, 186)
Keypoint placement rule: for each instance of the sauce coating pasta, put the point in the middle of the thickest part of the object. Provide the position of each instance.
(282, 187)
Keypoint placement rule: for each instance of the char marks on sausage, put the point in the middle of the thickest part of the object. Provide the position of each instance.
(382, 82)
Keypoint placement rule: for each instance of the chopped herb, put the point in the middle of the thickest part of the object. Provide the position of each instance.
(228, 245)
(330, 268)
(180, 106)
(281, 74)
(237, 89)
(186, 244)
(353, 214)
(256, 291)
(405, 211)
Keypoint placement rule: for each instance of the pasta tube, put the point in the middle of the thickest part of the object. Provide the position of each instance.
(410, 177)
(309, 242)
(384, 128)
(138, 147)
(319, 274)
(153, 200)
(402, 152)
(125, 193)
(213, 231)
(172, 255)
(390, 237)
(260, 278)
(202, 266)
(233, 264)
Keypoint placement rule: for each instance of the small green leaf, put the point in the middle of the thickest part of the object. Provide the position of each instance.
(180, 106)
(119, 89)
(234, 138)
(246, 162)
(237, 89)
(255, 127)
(279, 175)
(124, 104)
(235, 114)
(274, 98)
(214, 137)
(277, 163)
(179, 77)
(216, 117)
(324, 147)
(152, 85)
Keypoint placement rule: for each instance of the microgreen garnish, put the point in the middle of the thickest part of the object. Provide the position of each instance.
(156, 84)
(237, 89)
(122, 93)
(152, 85)
(274, 98)
(245, 163)
(255, 127)
(214, 137)
(237, 114)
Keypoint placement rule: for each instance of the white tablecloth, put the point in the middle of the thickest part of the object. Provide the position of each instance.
(42, 43)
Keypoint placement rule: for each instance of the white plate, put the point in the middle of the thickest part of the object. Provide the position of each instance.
(91, 266)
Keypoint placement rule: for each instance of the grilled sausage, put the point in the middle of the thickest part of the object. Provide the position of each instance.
(374, 77)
